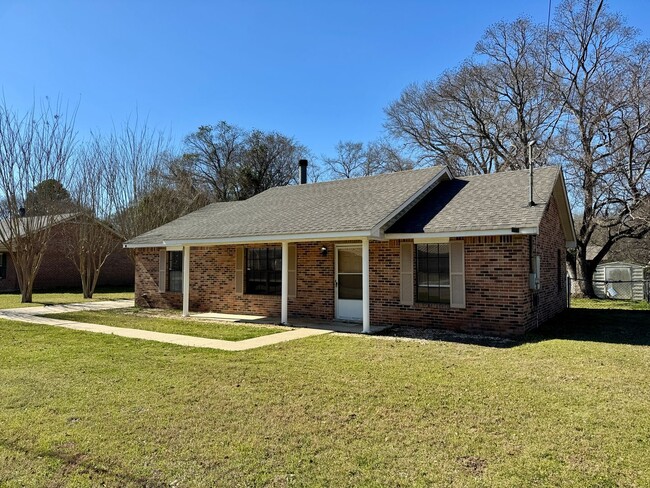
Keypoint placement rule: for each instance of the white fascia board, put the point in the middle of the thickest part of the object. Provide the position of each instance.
(126, 245)
(376, 230)
(572, 226)
(318, 236)
(466, 233)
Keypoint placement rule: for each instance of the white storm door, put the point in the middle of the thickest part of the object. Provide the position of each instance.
(349, 283)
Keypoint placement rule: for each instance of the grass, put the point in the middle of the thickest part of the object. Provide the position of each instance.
(567, 408)
(609, 304)
(133, 319)
(12, 300)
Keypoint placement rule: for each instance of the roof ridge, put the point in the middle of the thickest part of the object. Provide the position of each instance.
(511, 171)
(356, 178)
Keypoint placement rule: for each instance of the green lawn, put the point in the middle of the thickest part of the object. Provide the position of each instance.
(131, 318)
(12, 300)
(609, 304)
(570, 407)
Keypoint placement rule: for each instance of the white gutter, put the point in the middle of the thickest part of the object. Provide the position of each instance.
(467, 233)
(317, 236)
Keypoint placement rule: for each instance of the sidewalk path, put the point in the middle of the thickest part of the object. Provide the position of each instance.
(34, 315)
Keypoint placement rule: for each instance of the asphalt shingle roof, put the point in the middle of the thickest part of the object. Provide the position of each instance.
(34, 224)
(484, 202)
(357, 204)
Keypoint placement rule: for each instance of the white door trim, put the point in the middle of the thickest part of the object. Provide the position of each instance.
(336, 279)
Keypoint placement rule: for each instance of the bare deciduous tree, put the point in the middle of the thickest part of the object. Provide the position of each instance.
(267, 160)
(480, 117)
(132, 158)
(34, 147)
(583, 94)
(229, 163)
(91, 240)
(350, 161)
(354, 159)
(600, 74)
(215, 152)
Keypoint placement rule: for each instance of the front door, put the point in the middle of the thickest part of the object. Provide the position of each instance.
(348, 286)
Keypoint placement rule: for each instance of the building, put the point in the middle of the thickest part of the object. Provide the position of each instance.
(415, 247)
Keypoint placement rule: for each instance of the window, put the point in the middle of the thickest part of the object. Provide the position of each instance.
(175, 271)
(3, 266)
(264, 271)
(433, 273)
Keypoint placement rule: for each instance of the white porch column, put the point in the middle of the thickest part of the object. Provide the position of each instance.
(186, 281)
(284, 309)
(365, 259)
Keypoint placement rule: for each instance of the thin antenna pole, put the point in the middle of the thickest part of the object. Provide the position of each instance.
(531, 202)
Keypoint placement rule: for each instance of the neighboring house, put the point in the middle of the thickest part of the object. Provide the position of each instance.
(620, 281)
(415, 247)
(57, 271)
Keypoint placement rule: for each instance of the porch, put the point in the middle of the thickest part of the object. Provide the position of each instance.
(341, 326)
(318, 284)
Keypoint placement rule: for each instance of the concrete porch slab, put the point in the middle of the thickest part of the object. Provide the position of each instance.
(303, 323)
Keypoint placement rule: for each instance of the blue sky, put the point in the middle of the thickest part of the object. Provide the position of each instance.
(320, 71)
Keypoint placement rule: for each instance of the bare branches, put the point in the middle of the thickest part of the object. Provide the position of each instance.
(480, 117)
(34, 147)
(586, 101)
(352, 159)
(229, 163)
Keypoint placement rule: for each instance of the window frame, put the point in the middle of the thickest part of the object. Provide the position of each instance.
(170, 265)
(269, 278)
(438, 286)
(3, 266)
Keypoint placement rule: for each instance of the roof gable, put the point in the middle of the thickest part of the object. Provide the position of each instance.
(488, 203)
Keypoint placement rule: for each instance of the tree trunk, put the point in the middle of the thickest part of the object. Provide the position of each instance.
(584, 274)
(26, 291)
(85, 278)
(26, 295)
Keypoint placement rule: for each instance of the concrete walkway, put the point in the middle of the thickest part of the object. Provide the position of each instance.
(34, 315)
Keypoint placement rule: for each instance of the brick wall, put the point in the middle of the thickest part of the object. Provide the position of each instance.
(498, 298)
(551, 298)
(57, 271)
(496, 289)
(212, 283)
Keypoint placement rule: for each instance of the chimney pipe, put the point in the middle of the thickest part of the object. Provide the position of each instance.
(303, 171)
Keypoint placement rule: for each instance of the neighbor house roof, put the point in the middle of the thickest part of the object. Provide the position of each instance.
(40, 222)
(34, 224)
(407, 204)
(352, 207)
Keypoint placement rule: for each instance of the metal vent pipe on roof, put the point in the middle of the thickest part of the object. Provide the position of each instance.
(303, 171)
(531, 201)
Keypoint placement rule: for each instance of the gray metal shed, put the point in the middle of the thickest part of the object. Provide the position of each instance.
(619, 280)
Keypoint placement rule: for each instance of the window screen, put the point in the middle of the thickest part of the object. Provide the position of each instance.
(175, 271)
(264, 271)
(433, 273)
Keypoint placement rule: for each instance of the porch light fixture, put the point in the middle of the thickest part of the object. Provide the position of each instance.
(323, 251)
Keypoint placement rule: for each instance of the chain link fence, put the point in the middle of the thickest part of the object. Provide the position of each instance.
(609, 290)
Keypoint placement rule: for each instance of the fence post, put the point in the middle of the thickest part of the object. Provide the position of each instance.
(568, 290)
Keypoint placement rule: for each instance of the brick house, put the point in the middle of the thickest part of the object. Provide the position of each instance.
(416, 247)
(58, 272)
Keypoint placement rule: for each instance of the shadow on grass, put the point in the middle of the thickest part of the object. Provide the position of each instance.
(613, 326)
(598, 325)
